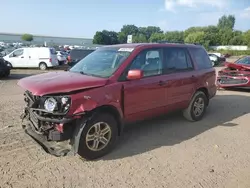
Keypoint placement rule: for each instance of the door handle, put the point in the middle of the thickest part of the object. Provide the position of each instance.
(29, 57)
(162, 83)
(21, 56)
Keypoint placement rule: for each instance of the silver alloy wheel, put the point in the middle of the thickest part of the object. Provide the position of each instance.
(42, 66)
(98, 136)
(199, 106)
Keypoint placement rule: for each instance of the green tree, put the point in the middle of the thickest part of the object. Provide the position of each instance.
(148, 31)
(226, 22)
(99, 38)
(237, 39)
(122, 38)
(110, 37)
(156, 37)
(246, 38)
(105, 37)
(197, 37)
(225, 36)
(174, 36)
(27, 37)
(139, 38)
(211, 35)
(130, 30)
(192, 30)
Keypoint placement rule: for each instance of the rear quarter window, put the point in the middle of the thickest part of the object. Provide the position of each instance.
(201, 58)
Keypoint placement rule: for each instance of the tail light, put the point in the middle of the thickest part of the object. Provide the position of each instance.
(50, 60)
(69, 59)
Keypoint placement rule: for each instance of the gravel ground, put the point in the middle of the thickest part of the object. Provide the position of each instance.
(168, 152)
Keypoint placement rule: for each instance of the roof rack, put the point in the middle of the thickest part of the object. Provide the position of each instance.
(165, 41)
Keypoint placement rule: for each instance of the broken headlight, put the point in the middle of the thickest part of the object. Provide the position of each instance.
(59, 104)
(50, 104)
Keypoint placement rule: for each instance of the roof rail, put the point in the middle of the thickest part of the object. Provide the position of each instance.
(165, 41)
(178, 42)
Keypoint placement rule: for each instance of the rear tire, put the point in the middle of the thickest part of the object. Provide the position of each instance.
(197, 107)
(43, 66)
(92, 135)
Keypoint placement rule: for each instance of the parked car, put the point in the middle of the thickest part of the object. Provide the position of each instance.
(84, 110)
(61, 57)
(235, 74)
(6, 52)
(216, 60)
(76, 55)
(41, 57)
(5, 68)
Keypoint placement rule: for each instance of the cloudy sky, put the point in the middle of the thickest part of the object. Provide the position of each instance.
(82, 18)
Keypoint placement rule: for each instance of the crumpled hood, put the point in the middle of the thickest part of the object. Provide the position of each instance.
(237, 66)
(59, 82)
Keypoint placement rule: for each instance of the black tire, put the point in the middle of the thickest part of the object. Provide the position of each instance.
(43, 66)
(84, 150)
(10, 65)
(189, 114)
(7, 73)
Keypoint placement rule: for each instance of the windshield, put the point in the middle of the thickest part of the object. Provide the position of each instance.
(102, 62)
(244, 60)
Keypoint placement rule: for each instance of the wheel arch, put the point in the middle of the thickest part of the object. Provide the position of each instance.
(41, 63)
(113, 111)
(205, 91)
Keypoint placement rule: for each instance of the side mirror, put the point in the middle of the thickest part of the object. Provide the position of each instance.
(135, 74)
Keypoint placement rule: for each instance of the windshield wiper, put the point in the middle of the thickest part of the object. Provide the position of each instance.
(88, 74)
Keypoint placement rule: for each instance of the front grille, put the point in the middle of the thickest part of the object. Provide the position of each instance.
(227, 80)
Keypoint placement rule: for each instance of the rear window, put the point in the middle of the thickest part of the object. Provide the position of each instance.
(53, 51)
(201, 58)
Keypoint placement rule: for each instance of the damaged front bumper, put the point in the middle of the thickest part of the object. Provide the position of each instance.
(56, 141)
(55, 148)
(232, 81)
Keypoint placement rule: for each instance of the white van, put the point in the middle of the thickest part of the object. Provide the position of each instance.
(42, 57)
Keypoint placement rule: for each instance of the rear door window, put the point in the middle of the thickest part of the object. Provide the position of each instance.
(201, 58)
(176, 59)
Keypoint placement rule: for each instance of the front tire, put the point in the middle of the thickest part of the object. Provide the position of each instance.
(197, 107)
(7, 73)
(98, 137)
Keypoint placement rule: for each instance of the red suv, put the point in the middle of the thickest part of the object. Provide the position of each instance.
(83, 110)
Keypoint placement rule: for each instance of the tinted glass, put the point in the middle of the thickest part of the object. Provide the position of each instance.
(176, 59)
(201, 58)
(101, 63)
(244, 60)
(79, 54)
(149, 62)
(17, 53)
